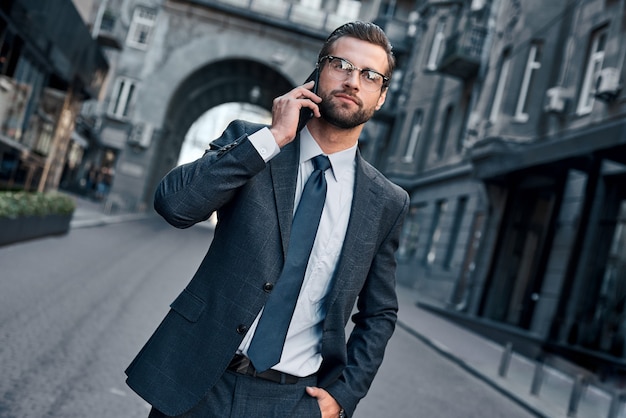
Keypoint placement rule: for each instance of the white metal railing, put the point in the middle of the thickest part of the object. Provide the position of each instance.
(301, 13)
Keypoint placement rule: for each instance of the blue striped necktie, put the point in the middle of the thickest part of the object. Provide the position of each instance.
(269, 338)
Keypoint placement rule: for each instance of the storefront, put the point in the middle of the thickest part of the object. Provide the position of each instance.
(49, 64)
(557, 243)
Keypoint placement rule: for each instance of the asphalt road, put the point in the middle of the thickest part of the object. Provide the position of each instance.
(75, 309)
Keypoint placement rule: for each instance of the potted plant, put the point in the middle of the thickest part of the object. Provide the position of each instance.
(27, 215)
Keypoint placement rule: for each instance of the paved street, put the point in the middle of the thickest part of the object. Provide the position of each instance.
(75, 310)
(417, 382)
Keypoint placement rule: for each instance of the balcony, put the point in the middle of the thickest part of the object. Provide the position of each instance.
(300, 17)
(58, 32)
(463, 53)
(399, 32)
(110, 32)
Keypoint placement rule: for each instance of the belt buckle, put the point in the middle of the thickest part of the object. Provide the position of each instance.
(242, 364)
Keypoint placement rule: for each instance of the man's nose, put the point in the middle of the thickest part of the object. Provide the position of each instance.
(353, 79)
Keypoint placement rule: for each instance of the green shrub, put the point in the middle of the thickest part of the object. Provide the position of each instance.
(16, 204)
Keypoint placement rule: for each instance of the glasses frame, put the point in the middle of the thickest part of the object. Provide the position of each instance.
(353, 67)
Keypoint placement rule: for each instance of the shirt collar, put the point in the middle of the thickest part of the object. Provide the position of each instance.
(339, 161)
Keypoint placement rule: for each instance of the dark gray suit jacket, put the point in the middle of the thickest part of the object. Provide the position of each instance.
(195, 342)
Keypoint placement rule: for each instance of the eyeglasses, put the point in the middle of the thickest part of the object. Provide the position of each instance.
(341, 69)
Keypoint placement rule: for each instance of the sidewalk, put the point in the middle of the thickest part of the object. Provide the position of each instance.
(89, 213)
(482, 358)
(477, 355)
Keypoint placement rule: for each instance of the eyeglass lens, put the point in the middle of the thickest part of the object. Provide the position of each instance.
(341, 68)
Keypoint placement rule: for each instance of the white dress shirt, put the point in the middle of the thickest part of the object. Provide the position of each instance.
(302, 351)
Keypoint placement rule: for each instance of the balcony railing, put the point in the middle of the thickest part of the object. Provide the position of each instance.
(286, 11)
(463, 53)
(110, 32)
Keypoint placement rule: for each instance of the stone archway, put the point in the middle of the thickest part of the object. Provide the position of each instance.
(226, 81)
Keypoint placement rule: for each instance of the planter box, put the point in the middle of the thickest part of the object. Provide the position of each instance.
(29, 227)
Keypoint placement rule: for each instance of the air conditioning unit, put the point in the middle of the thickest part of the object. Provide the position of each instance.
(141, 135)
(556, 100)
(477, 5)
(607, 84)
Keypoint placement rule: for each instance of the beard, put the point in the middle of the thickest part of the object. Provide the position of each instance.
(338, 114)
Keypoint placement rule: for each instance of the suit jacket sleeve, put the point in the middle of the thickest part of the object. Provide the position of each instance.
(374, 321)
(190, 193)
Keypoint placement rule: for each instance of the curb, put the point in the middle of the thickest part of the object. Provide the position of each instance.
(107, 220)
(448, 354)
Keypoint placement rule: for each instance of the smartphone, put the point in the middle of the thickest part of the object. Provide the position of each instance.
(305, 113)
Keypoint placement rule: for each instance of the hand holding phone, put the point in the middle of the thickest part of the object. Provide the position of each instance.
(285, 127)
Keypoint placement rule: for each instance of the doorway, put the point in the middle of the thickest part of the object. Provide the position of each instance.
(517, 271)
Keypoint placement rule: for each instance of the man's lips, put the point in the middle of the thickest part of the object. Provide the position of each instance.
(345, 96)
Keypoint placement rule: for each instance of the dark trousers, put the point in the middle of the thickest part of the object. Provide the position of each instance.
(239, 396)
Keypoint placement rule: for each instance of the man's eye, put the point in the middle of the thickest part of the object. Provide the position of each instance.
(371, 76)
(345, 66)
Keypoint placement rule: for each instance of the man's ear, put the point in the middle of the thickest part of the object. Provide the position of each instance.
(382, 98)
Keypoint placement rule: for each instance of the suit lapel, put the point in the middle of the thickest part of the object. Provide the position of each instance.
(284, 170)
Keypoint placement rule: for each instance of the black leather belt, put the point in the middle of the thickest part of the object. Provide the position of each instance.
(242, 365)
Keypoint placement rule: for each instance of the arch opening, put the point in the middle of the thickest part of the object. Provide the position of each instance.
(227, 81)
(213, 122)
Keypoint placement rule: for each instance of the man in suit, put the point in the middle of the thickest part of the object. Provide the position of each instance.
(198, 363)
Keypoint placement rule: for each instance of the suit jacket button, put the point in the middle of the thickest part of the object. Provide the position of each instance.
(268, 287)
(242, 329)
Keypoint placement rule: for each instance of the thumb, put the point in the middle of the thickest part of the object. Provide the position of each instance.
(313, 391)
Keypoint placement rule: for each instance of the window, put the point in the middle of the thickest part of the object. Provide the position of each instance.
(594, 65)
(21, 95)
(459, 213)
(445, 131)
(387, 8)
(610, 301)
(108, 21)
(414, 137)
(141, 27)
(410, 234)
(437, 46)
(465, 128)
(533, 63)
(10, 50)
(435, 233)
(497, 98)
(44, 140)
(122, 98)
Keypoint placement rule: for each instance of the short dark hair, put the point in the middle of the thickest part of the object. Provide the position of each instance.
(365, 31)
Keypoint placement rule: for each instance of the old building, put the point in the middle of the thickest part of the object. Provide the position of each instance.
(180, 58)
(49, 65)
(513, 149)
(429, 156)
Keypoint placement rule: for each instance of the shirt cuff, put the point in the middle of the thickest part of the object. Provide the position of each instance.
(265, 144)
